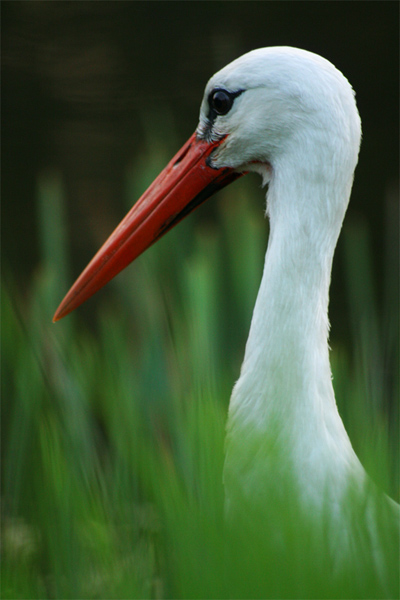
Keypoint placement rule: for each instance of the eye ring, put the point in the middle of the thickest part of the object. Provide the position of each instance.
(221, 102)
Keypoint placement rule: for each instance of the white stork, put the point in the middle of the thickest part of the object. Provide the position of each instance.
(290, 116)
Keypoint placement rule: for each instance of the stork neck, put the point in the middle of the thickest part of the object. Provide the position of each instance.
(286, 374)
(289, 330)
(284, 397)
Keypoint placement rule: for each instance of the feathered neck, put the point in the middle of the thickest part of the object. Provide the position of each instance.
(284, 397)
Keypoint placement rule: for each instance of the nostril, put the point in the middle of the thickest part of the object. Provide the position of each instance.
(182, 154)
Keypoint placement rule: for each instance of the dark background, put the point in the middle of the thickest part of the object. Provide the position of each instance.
(80, 79)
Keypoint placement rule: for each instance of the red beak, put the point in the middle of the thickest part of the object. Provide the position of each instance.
(183, 185)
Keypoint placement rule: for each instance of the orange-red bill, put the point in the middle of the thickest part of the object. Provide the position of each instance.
(183, 185)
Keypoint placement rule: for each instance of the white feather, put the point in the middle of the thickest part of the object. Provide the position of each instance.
(296, 124)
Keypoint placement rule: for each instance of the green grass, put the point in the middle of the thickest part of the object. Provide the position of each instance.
(113, 423)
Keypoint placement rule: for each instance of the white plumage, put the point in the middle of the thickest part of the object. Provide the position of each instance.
(297, 124)
(290, 116)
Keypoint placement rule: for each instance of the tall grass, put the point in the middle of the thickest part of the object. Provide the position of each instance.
(114, 432)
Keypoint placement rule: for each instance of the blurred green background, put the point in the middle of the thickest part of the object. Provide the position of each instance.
(113, 419)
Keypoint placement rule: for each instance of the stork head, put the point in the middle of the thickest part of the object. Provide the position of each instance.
(275, 111)
(274, 103)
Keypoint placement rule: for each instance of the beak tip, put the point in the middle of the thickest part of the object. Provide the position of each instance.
(61, 312)
(56, 317)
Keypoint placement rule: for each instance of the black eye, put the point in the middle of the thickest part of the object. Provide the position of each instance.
(221, 102)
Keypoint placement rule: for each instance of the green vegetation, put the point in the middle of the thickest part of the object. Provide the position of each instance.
(114, 422)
